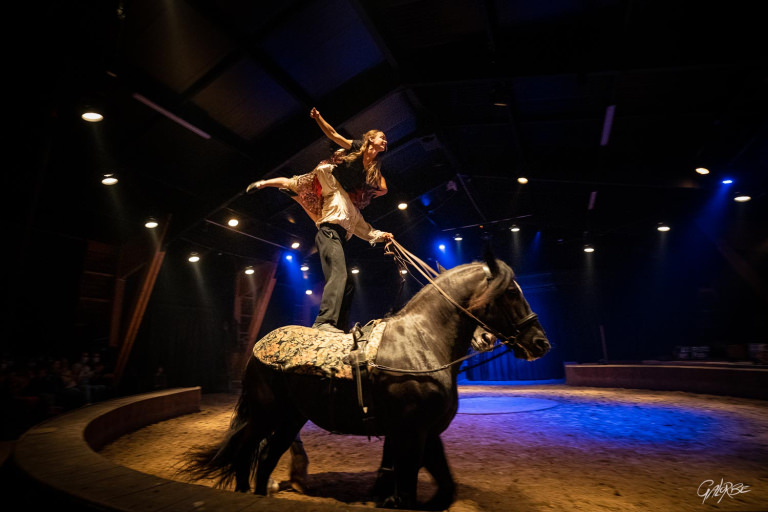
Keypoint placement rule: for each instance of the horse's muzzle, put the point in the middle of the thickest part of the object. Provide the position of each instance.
(542, 344)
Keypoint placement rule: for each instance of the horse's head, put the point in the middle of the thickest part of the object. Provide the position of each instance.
(500, 304)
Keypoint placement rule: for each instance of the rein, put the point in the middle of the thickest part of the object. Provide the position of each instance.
(403, 257)
(440, 368)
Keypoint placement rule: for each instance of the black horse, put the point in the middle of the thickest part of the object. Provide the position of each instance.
(408, 395)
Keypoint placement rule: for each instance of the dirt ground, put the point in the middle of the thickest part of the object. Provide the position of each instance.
(529, 448)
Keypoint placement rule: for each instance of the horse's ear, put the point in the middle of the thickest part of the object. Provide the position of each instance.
(490, 261)
(440, 268)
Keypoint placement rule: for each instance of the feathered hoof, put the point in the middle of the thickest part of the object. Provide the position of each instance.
(273, 486)
(298, 486)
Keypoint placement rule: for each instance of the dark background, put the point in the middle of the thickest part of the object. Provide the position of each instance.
(688, 82)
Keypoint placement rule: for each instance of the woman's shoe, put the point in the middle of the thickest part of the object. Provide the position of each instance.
(326, 327)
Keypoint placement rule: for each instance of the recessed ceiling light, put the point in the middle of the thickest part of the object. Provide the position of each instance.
(589, 248)
(151, 223)
(109, 179)
(514, 228)
(702, 170)
(233, 222)
(742, 198)
(249, 270)
(662, 227)
(522, 179)
(295, 245)
(194, 257)
(92, 116)
(402, 206)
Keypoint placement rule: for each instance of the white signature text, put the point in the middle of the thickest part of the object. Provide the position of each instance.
(708, 489)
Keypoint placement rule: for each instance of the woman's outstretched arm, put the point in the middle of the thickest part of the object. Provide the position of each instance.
(329, 130)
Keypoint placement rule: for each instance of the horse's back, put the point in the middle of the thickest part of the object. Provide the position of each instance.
(303, 350)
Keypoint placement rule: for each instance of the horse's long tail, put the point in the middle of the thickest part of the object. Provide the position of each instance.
(233, 459)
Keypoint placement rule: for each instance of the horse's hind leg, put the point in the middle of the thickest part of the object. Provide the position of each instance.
(242, 462)
(273, 448)
(299, 464)
(437, 465)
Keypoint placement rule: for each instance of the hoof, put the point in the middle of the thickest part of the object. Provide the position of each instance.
(389, 502)
(299, 487)
(272, 486)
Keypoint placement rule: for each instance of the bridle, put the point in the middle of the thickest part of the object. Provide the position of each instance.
(403, 257)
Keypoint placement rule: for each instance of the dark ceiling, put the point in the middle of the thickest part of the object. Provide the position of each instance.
(611, 106)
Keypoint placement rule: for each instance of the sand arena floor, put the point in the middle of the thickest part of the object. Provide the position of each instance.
(529, 448)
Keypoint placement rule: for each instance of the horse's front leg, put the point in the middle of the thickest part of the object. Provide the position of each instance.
(406, 450)
(437, 465)
(384, 486)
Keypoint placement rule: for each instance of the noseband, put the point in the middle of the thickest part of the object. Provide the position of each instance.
(518, 327)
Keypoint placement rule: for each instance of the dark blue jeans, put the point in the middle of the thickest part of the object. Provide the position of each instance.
(339, 288)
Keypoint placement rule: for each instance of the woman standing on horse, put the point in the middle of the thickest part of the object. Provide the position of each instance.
(343, 187)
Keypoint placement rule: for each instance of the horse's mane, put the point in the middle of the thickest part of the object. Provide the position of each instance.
(502, 276)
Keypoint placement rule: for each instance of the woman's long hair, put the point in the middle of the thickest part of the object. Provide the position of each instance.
(373, 171)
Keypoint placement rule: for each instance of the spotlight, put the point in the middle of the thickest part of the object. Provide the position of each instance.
(662, 227)
(441, 247)
(295, 245)
(194, 257)
(151, 223)
(457, 237)
(702, 170)
(589, 248)
(727, 181)
(355, 270)
(742, 198)
(522, 180)
(402, 206)
(403, 271)
(92, 116)
(304, 267)
(289, 257)
(249, 270)
(233, 222)
(514, 228)
(109, 179)
(308, 292)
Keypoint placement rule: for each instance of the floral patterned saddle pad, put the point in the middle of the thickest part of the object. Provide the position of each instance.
(298, 349)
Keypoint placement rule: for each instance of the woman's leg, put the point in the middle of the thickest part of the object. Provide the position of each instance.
(272, 182)
(330, 242)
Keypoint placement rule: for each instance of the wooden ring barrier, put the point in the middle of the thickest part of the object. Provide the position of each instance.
(724, 379)
(60, 455)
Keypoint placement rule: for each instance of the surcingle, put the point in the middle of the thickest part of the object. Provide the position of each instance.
(298, 349)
